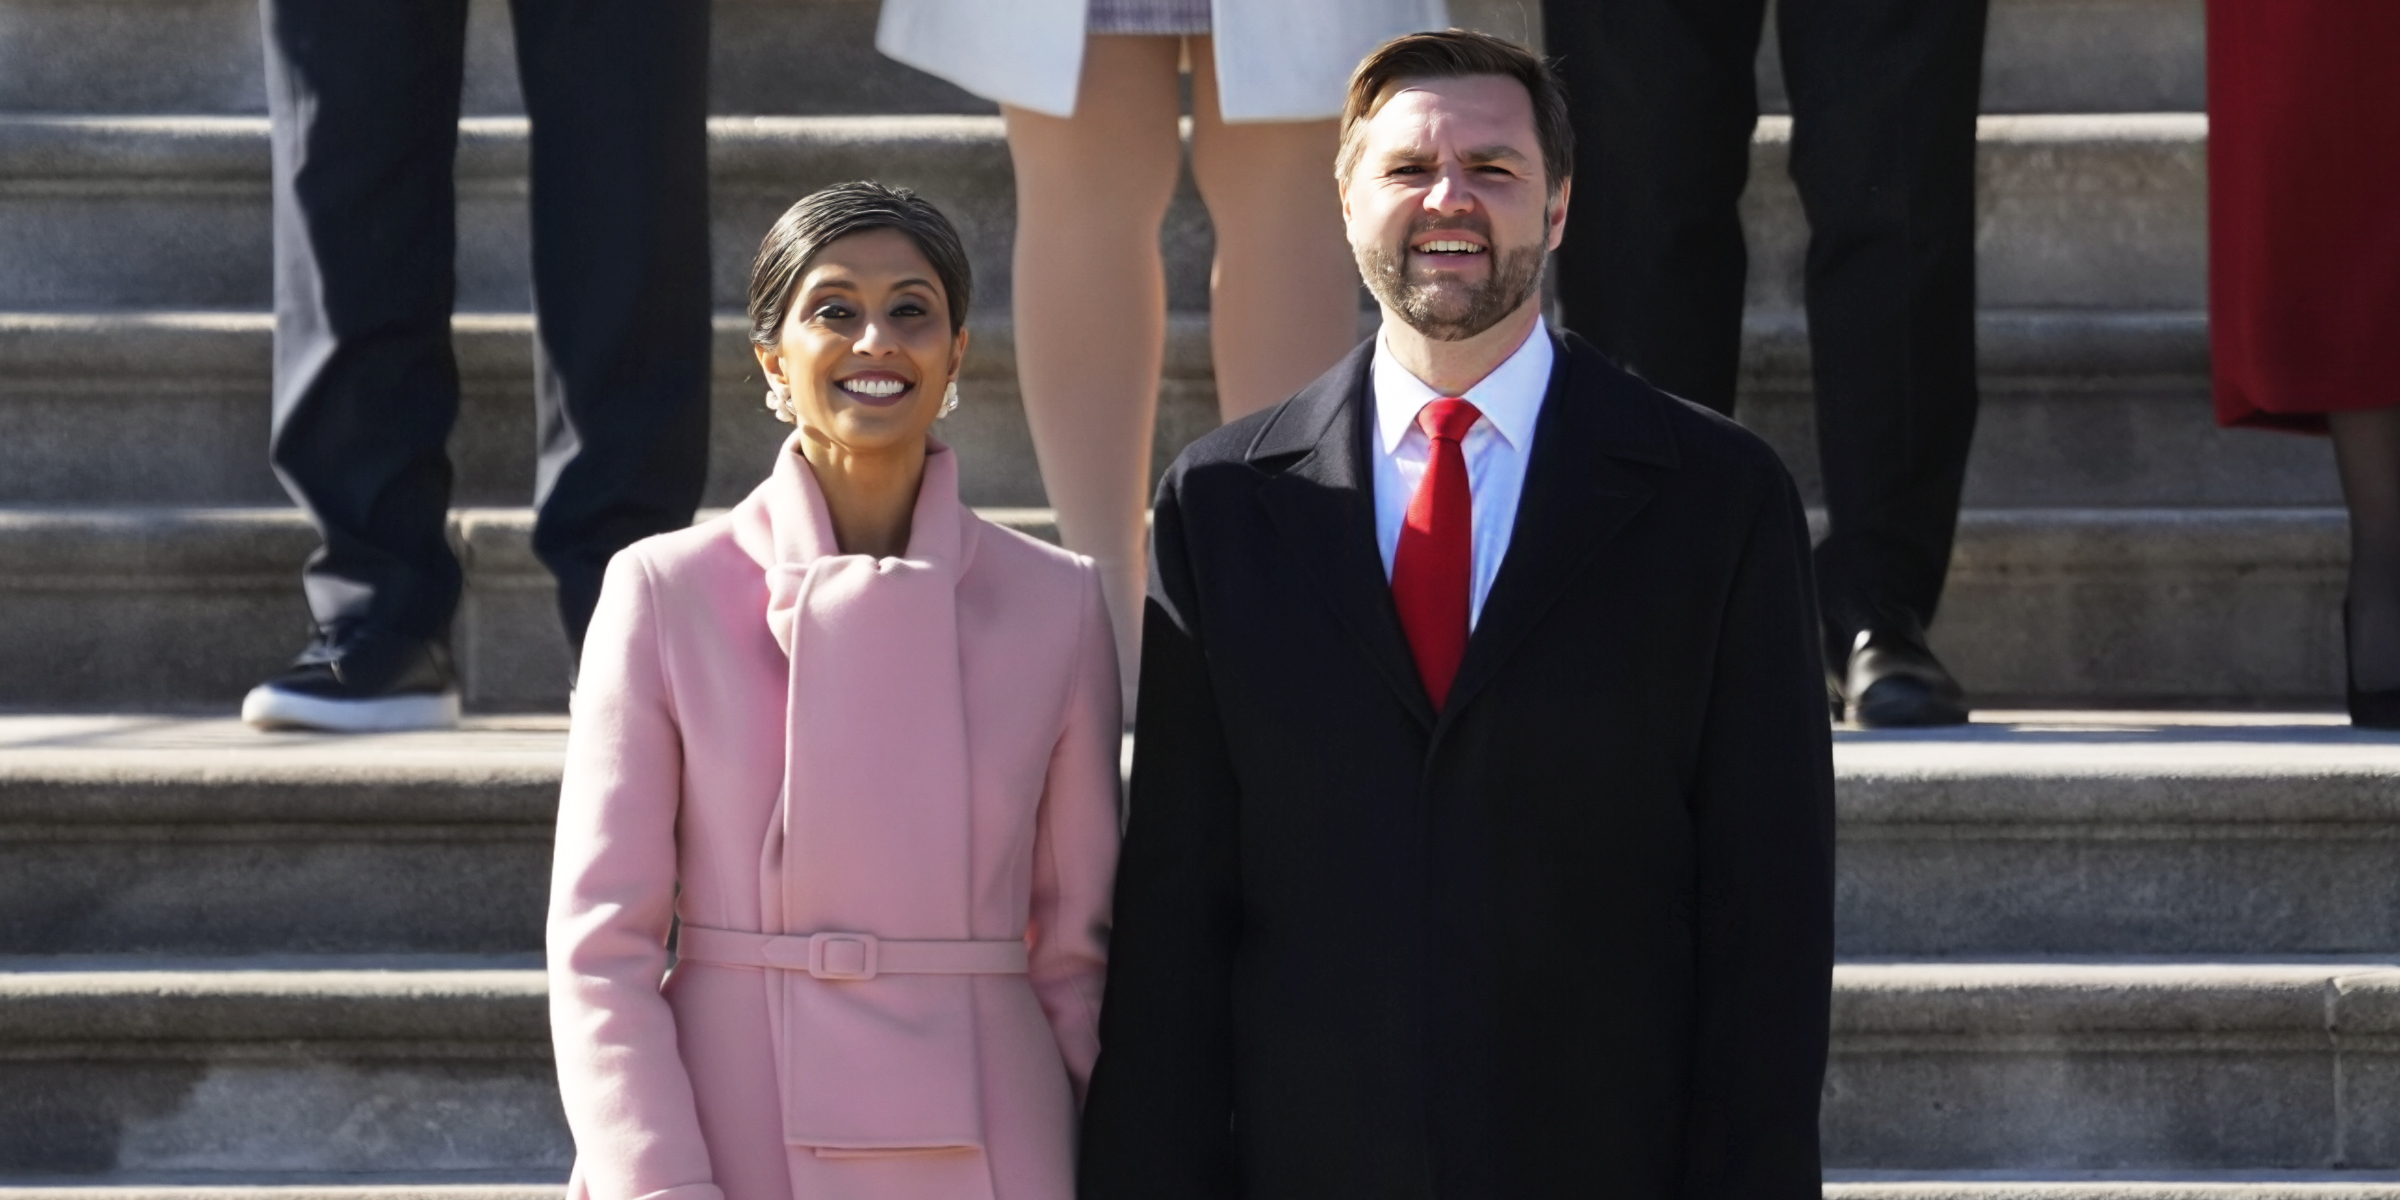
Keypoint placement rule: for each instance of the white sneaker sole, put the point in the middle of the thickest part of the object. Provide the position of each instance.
(272, 708)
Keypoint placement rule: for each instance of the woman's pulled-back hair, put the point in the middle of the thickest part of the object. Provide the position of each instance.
(824, 217)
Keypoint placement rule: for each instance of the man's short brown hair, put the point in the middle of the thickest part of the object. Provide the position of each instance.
(1450, 54)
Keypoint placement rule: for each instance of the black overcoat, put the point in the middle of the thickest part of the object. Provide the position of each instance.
(1571, 936)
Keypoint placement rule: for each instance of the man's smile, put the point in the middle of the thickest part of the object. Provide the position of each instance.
(1448, 247)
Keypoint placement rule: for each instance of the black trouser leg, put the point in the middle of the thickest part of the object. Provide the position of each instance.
(1884, 97)
(618, 93)
(1664, 98)
(364, 99)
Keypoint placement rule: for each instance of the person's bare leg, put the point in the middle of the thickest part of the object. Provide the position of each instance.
(1091, 304)
(2366, 448)
(1283, 299)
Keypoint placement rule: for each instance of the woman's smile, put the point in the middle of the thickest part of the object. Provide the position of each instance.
(877, 389)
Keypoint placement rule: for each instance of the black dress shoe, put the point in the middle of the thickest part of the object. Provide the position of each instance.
(1891, 680)
(360, 679)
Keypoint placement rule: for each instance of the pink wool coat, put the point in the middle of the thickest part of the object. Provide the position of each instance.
(936, 762)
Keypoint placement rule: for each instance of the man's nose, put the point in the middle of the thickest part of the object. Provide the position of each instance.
(1450, 193)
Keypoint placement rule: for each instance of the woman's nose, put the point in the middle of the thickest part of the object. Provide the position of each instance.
(876, 340)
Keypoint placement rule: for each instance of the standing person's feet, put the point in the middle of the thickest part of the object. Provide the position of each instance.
(360, 679)
(2372, 708)
(1888, 678)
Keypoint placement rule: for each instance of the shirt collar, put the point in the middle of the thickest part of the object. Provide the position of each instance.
(1510, 398)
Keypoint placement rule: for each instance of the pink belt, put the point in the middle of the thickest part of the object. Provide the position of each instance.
(847, 956)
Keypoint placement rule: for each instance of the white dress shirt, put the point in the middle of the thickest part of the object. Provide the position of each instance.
(1497, 449)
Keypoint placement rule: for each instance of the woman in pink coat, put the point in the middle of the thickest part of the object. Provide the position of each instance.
(864, 745)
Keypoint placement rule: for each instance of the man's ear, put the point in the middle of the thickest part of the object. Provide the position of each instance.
(1557, 213)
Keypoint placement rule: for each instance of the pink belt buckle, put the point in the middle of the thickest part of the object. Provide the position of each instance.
(842, 956)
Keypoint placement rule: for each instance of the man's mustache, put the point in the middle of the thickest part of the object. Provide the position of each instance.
(1474, 225)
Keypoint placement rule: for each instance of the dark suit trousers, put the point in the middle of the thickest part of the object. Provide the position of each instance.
(1883, 96)
(365, 102)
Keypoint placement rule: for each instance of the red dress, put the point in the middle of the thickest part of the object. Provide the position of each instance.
(2304, 208)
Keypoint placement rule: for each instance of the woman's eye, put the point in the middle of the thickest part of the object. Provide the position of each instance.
(833, 312)
(909, 309)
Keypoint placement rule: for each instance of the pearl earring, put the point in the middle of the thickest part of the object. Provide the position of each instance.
(949, 400)
(778, 403)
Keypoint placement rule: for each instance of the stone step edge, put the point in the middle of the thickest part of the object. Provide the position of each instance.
(2042, 1004)
(2302, 777)
(42, 149)
(1839, 1185)
(76, 1006)
(2102, 349)
(2195, 1185)
(143, 548)
(297, 1185)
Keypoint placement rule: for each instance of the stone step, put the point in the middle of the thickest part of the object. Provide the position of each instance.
(206, 56)
(2124, 1066)
(817, 56)
(2118, 833)
(165, 835)
(2030, 833)
(278, 1064)
(1839, 1185)
(148, 608)
(283, 1185)
(2112, 1185)
(2081, 408)
(397, 1064)
(108, 212)
(74, 387)
(144, 212)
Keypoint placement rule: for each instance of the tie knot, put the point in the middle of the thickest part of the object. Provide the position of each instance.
(1448, 419)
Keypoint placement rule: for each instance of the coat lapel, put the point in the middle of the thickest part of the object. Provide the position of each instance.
(1578, 494)
(1322, 503)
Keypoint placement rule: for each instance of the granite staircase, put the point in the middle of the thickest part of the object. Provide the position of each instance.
(2090, 953)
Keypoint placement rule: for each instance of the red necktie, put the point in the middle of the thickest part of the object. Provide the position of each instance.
(1432, 567)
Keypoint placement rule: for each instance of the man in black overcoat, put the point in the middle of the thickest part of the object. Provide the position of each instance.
(1481, 827)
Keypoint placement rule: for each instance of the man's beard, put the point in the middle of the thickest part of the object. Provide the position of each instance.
(1452, 310)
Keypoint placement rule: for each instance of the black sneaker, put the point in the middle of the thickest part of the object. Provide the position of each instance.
(360, 680)
(1891, 680)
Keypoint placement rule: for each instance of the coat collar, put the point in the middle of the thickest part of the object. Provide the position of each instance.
(1321, 500)
(1596, 424)
(784, 521)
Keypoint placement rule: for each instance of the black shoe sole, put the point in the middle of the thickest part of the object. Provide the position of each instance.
(1912, 709)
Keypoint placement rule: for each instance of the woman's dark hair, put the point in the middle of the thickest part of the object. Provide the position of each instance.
(822, 218)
